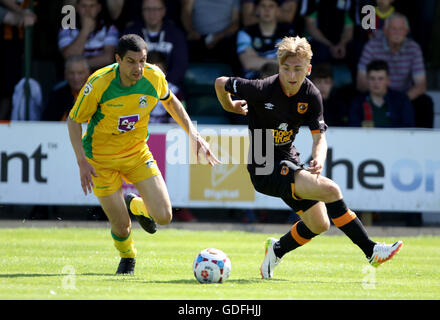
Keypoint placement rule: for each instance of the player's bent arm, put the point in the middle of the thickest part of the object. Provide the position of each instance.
(223, 96)
(319, 152)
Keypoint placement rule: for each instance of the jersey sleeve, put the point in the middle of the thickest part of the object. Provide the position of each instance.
(249, 90)
(315, 119)
(165, 93)
(85, 105)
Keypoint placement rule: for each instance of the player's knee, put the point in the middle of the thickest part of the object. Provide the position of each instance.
(332, 192)
(164, 217)
(122, 229)
(323, 226)
(319, 226)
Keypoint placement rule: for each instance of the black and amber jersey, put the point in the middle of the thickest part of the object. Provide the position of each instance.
(270, 108)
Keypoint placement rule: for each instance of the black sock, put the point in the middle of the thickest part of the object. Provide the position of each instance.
(298, 235)
(347, 221)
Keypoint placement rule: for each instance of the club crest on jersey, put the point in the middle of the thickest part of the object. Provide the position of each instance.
(142, 102)
(302, 107)
(87, 89)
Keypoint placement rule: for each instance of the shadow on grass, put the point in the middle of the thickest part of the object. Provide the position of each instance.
(37, 275)
(190, 281)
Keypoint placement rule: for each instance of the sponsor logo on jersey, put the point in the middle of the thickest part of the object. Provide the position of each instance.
(87, 89)
(282, 135)
(127, 123)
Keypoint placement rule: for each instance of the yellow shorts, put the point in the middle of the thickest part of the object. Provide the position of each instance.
(134, 168)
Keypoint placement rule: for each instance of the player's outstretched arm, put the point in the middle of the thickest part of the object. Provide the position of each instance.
(224, 97)
(200, 146)
(319, 153)
(85, 168)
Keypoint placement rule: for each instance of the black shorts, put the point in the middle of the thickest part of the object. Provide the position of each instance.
(281, 184)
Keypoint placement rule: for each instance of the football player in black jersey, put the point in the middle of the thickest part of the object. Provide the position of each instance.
(279, 105)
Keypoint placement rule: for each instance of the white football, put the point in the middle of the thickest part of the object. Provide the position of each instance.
(212, 266)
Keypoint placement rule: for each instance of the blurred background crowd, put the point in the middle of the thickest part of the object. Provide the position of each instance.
(380, 77)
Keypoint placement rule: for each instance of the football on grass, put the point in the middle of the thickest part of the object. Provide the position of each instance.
(212, 266)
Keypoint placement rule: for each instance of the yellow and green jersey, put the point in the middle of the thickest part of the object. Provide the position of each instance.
(118, 116)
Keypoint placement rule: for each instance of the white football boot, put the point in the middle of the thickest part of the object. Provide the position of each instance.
(270, 259)
(383, 252)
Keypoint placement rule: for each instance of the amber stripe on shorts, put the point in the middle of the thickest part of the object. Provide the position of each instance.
(292, 186)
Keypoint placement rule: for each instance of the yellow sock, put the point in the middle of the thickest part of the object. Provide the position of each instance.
(125, 246)
(137, 206)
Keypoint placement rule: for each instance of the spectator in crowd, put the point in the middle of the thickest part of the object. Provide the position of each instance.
(381, 106)
(13, 19)
(256, 43)
(63, 95)
(406, 66)
(384, 9)
(93, 37)
(336, 109)
(331, 30)
(122, 13)
(15, 15)
(165, 37)
(30, 109)
(159, 114)
(211, 28)
(285, 14)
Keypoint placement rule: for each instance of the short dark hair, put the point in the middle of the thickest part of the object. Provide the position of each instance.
(131, 42)
(322, 71)
(377, 65)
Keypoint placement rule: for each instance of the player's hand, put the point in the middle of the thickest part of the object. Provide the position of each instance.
(240, 107)
(315, 167)
(203, 151)
(86, 172)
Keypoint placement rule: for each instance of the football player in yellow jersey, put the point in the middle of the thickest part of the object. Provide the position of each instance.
(116, 102)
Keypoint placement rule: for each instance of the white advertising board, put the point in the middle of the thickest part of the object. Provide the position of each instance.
(377, 169)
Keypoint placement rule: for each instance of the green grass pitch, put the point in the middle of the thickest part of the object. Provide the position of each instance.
(75, 263)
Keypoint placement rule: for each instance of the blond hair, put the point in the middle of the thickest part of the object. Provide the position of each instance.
(294, 47)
